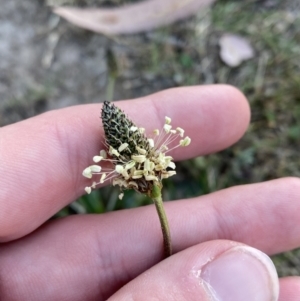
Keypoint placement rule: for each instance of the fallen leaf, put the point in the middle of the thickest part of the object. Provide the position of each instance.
(133, 18)
(234, 49)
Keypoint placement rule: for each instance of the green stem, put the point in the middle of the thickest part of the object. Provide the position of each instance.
(110, 88)
(157, 199)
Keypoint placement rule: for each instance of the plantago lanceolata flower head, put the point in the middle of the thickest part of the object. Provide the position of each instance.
(137, 162)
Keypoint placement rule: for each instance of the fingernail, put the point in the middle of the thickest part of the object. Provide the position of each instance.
(241, 274)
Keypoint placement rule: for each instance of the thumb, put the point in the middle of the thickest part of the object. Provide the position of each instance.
(215, 270)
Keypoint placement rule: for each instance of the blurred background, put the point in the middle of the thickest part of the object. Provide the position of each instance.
(48, 63)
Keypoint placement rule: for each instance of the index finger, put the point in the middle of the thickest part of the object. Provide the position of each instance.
(43, 157)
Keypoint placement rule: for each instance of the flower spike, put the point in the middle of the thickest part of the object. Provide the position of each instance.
(137, 162)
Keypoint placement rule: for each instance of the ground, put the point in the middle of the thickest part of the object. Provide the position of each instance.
(47, 63)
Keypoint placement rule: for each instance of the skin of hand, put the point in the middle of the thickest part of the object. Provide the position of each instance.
(219, 240)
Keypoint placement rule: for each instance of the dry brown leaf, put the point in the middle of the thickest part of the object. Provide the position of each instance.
(235, 49)
(134, 18)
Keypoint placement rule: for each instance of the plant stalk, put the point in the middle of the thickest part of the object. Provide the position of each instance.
(157, 199)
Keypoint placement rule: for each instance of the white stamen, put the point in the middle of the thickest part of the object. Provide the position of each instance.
(87, 173)
(137, 176)
(138, 158)
(147, 165)
(167, 161)
(125, 174)
(97, 159)
(138, 173)
(172, 165)
(167, 128)
(133, 129)
(121, 196)
(161, 157)
(115, 152)
(103, 154)
(95, 168)
(103, 178)
(122, 147)
(142, 130)
(180, 131)
(156, 132)
(152, 166)
(164, 176)
(185, 142)
(151, 142)
(168, 120)
(119, 168)
(151, 178)
(159, 167)
(171, 173)
(88, 190)
(141, 151)
(129, 165)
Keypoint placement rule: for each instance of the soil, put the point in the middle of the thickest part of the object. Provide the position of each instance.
(47, 63)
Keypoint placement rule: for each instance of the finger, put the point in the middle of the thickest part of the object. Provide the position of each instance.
(119, 246)
(289, 289)
(216, 270)
(43, 157)
(224, 268)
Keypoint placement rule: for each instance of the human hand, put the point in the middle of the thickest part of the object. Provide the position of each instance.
(90, 257)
